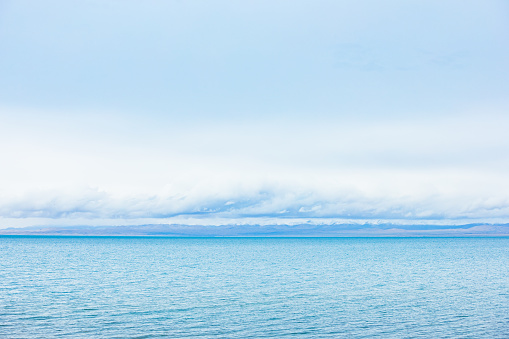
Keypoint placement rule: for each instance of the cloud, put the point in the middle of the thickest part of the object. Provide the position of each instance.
(385, 58)
(118, 167)
(285, 202)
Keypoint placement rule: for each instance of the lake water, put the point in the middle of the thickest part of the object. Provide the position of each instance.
(135, 287)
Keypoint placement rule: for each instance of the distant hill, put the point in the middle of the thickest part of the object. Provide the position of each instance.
(302, 230)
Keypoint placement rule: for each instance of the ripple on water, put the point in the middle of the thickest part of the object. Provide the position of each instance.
(248, 287)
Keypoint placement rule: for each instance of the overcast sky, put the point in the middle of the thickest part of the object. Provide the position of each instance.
(126, 112)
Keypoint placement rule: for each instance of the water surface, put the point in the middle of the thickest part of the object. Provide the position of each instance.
(137, 287)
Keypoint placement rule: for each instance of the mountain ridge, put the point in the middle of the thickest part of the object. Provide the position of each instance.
(255, 230)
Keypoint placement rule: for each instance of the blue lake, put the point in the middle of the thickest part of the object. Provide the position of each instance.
(139, 287)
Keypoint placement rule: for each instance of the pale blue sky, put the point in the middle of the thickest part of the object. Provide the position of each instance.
(230, 58)
(226, 110)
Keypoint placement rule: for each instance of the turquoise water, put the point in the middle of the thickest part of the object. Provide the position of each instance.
(95, 287)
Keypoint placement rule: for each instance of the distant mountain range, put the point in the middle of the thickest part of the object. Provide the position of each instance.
(302, 230)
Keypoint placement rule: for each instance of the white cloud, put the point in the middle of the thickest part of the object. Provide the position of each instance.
(79, 168)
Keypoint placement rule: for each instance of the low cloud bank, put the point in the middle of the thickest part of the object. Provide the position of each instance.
(282, 203)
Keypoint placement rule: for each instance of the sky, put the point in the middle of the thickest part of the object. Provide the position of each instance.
(253, 112)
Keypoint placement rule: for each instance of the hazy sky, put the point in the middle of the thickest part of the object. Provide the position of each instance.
(122, 112)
